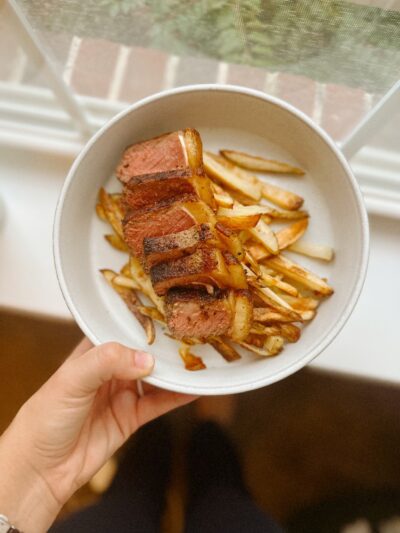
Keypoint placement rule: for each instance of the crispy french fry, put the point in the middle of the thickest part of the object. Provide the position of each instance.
(289, 235)
(269, 297)
(126, 270)
(222, 198)
(287, 331)
(264, 234)
(144, 282)
(242, 317)
(270, 281)
(124, 281)
(301, 303)
(270, 315)
(255, 349)
(299, 274)
(116, 242)
(277, 214)
(318, 251)
(133, 303)
(192, 362)
(241, 217)
(239, 171)
(252, 263)
(229, 178)
(274, 344)
(112, 211)
(281, 197)
(152, 312)
(225, 349)
(260, 164)
(100, 212)
(306, 316)
(258, 251)
(230, 240)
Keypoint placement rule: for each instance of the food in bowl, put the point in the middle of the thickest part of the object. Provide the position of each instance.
(202, 245)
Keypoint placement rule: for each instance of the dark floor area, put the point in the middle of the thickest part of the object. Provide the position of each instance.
(305, 439)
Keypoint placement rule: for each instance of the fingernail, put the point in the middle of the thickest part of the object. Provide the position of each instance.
(144, 360)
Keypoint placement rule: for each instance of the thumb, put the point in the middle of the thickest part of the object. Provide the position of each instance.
(86, 373)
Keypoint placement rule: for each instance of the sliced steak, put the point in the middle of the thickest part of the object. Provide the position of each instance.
(203, 266)
(164, 221)
(174, 245)
(158, 192)
(179, 150)
(192, 312)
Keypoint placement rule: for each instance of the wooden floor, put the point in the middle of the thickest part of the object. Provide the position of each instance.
(306, 438)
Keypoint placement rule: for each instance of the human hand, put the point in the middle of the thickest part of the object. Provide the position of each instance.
(69, 428)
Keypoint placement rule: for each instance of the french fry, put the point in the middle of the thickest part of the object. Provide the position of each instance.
(276, 214)
(239, 171)
(226, 350)
(222, 198)
(126, 270)
(260, 164)
(288, 331)
(124, 281)
(133, 303)
(299, 274)
(256, 349)
(116, 242)
(192, 362)
(281, 197)
(318, 251)
(152, 312)
(242, 317)
(111, 211)
(274, 344)
(144, 282)
(229, 178)
(230, 240)
(100, 212)
(301, 303)
(289, 235)
(241, 217)
(270, 315)
(269, 297)
(264, 234)
(258, 251)
(270, 281)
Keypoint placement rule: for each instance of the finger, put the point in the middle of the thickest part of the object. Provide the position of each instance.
(160, 402)
(85, 374)
(84, 345)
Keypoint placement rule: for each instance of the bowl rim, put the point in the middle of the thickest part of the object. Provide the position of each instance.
(362, 214)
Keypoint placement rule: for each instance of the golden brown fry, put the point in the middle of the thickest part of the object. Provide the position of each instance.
(116, 242)
(301, 303)
(288, 235)
(225, 349)
(277, 214)
(243, 316)
(112, 212)
(270, 315)
(126, 270)
(144, 282)
(229, 178)
(222, 198)
(264, 234)
(124, 281)
(241, 217)
(133, 303)
(153, 313)
(230, 240)
(318, 251)
(240, 172)
(281, 197)
(271, 281)
(273, 300)
(260, 164)
(192, 362)
(289, 332)
(299, 274)
(100, 212)
(258, 251)
(257, 350)
(274, 344)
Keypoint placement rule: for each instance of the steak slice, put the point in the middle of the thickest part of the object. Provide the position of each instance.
(137, 227)
(157, 191)
(174, 245)
(179, 150)
(205, 265)
(193, 312)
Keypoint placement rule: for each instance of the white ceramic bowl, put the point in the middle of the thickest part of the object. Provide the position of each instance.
(227, 117)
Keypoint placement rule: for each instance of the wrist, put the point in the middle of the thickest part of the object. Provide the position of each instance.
(25, 497)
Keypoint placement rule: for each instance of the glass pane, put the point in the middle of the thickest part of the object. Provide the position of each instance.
(332, 59)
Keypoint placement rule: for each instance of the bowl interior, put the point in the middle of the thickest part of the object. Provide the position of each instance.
(225, 119)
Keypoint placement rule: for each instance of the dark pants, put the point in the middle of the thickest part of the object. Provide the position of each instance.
(218, 499)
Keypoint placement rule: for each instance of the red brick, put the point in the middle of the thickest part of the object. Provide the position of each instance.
(247, 76)
(94, 67)
(297, 90)
(144, 74)
(342, 109)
